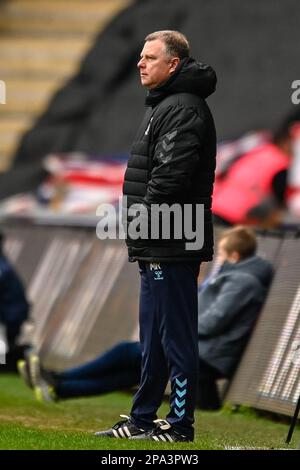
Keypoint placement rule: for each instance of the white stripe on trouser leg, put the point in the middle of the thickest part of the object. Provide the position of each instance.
(116, 434)
(127, 432)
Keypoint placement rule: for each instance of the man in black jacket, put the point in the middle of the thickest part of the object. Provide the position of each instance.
(168, 183)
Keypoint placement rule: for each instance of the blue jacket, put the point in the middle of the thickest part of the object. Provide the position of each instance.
(228, 308)
(13, 304)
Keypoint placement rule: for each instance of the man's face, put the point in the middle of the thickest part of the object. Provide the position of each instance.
(223, 255)
(155, 65)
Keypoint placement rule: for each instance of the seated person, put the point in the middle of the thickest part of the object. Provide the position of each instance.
(229, 302)
(228, 307)
(14, 308)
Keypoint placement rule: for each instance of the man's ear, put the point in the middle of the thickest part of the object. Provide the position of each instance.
(235, 256)
(174, 62)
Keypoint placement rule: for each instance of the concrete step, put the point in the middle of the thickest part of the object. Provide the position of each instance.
(56, 16)
(41, 45)
(41, 57)
(28, 96)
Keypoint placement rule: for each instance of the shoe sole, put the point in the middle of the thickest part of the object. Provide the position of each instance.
(21, 366)
(34, 370)
(46, 396)
(38, 393)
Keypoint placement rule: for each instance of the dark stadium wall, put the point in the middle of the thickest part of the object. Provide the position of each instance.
(252, 45)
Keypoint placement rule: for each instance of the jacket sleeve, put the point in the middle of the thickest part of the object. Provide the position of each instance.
(177, 134)
(230, 300)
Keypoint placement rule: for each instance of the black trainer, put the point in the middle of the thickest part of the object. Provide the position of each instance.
(124, 429)
(164, 433)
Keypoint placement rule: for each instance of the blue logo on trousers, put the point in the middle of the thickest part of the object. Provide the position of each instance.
(179, 400)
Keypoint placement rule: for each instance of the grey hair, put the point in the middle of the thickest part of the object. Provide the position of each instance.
(176, 43)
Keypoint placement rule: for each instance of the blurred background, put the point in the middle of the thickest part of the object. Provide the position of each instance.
(72, 105)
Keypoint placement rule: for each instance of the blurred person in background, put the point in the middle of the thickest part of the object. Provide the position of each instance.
(14, 309)
(254, 188)
(229, 303)
(228, 307)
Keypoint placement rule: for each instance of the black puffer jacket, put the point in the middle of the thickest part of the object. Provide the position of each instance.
(173, 161)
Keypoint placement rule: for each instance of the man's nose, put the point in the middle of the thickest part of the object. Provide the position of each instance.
(140, 64)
